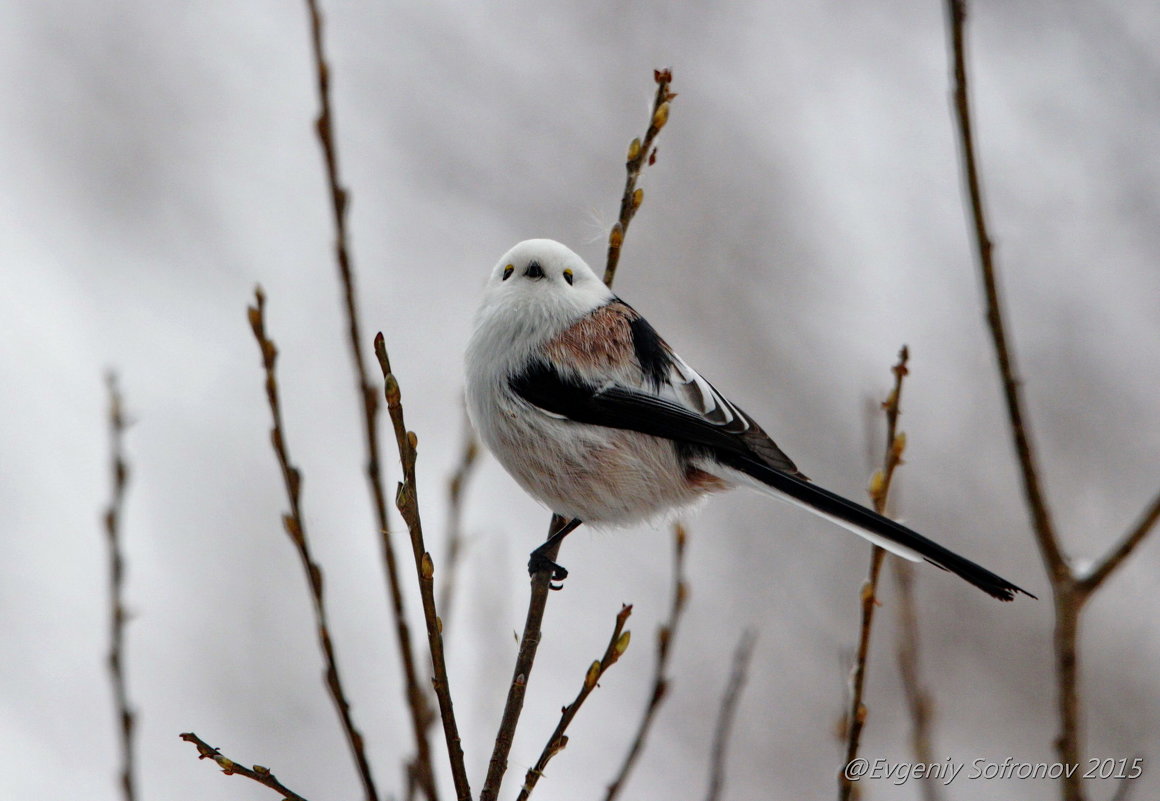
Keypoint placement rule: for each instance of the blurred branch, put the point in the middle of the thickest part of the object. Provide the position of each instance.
(665, 636)
(617, 645)
(1113, 560)
(727, 714)
(541, 581)
(455, 492)
(640, 152)
(917, 699)
(407, 502)
(258, 773)
(879, 493)
(296, 528)
(118, 616)
(1037, 503)
(417, 704)
(1067, 596)
(1069, 591)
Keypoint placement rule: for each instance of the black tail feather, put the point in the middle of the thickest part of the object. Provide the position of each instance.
(834, 505)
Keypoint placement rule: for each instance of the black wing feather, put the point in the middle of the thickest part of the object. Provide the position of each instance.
(615, 406)
(651, 352)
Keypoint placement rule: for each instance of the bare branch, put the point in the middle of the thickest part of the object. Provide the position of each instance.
(417, 704)
(407, 502)
(1113, 560)
(1012, 391)
(665, 637)
(640, 153)
(118, 617)
(854, 719)
(1066, 591)
(296, 528)
(726, 716)
(257, 773)
(617, 645)
(541, 581)
(879, 494)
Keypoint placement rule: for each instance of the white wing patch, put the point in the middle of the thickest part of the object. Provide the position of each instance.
(693, 392)
(696, 393)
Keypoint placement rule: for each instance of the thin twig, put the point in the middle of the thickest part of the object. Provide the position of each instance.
(879, 494)
(541, 581)
(118, 616)
(1036, 501)
(1067, 596)
(666, 634)
(640, 153)
(1116, 557)
(407, 502)
(258, 773)
(617, 645)
(296, 528)
(1069, 591)
(727, 714)
(417, 704)
(917, 698)
(1125, 787)
(455, 493)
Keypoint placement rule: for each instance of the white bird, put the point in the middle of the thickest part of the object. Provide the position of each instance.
(592, 412)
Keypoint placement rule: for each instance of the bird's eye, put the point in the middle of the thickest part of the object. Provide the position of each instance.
(568, 277)
(507, 271)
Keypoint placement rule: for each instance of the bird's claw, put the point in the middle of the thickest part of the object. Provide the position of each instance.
(539, 563)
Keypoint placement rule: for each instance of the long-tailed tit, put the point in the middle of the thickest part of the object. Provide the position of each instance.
(595, 415)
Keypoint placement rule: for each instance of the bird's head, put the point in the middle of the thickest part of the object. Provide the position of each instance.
(545, 283)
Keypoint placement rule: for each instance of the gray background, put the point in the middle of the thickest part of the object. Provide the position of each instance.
(803, 221)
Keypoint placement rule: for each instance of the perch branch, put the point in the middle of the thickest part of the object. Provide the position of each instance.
(541, 581)
(525, 659)
(417, 704)
(296, 528)
(617, 645)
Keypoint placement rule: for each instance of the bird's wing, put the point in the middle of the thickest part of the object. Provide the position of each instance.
(617, 406)
(700, 396)
(613, 369)
(628, 378)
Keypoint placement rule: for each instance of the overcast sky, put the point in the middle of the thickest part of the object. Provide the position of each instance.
(804, 219)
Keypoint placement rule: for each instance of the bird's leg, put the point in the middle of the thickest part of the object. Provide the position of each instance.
(543, 557)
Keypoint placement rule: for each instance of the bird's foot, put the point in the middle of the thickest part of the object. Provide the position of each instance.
(539, 563)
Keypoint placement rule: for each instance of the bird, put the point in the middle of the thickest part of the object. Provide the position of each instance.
(597, 417)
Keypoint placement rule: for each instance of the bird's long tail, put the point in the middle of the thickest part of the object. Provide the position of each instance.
(882, 531)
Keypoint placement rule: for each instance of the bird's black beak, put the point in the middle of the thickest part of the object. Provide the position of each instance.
(534, 270)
